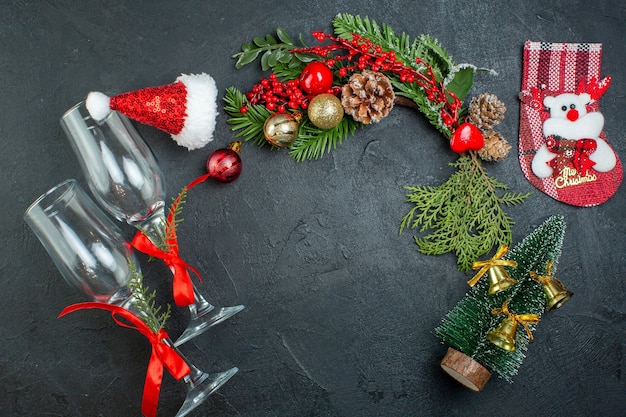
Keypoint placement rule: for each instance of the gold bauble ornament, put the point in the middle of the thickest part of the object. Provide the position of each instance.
(325, 111)
(281, 129)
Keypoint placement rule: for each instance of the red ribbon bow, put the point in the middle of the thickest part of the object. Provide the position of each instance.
(162, 355)
(576, 151)
(182, 285)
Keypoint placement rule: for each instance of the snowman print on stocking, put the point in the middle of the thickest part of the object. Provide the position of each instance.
(572, 135)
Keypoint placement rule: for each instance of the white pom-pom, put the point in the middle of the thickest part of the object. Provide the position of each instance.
(201, 111)
(98, 105)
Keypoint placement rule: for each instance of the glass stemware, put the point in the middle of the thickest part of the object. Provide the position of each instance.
(126, 180)
(92, 255)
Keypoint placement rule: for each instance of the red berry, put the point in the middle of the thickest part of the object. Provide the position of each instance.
(243, 109)
(316, 78)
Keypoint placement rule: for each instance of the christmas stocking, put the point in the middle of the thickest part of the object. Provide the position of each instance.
(563, 150)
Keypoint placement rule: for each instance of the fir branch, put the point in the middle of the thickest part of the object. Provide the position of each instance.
(423, 47)
(143, 301)
(431, 111)
(313, 142)
(464, 214)
(174, 219)
(249, 124)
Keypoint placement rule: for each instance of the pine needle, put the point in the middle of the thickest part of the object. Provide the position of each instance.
(143, 302)
(313, 142)
(250, 124)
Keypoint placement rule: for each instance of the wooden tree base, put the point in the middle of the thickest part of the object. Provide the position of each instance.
(466, 370)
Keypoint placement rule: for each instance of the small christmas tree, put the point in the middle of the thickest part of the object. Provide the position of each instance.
(529, 284)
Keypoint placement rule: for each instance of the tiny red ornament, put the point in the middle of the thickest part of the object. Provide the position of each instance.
(316, 78)
(467, 137)
(224, 164)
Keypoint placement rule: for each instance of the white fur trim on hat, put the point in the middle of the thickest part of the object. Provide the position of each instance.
(98, 105)
(201, 111)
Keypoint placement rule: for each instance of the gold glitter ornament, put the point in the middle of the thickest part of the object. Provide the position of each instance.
(325, 111)
(281, 129)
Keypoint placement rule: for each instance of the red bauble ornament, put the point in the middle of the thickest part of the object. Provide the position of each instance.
(316, 78)
(225, 164)
(467, 137)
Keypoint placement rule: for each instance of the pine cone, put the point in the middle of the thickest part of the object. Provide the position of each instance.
(486, 111)
(496, 147)
(368, 96)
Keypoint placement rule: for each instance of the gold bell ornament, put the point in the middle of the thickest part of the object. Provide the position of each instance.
(553, 289)
(504, 335)
(499, 278)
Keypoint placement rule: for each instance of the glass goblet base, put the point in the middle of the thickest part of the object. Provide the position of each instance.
(201, 386)
(204, 318)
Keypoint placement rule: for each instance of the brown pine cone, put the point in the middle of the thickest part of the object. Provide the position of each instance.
(496, 147)
(368, 96)
(486, 111)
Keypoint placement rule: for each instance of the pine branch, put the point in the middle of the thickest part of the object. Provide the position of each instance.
(249, 124)
(313, 142)
(424, 47)
(464, 214)
(143, 302)
(174, 219)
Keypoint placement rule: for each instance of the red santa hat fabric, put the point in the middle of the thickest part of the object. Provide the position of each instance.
(186, 109)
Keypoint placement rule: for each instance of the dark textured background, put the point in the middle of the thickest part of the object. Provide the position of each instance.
(340, 308)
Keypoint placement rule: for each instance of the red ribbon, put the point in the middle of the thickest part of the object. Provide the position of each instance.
(162, 355)
(182, 285)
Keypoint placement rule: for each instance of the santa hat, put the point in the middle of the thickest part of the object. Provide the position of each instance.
(186, 109)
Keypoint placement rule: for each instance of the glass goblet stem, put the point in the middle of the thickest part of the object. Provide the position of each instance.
(203, 314)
